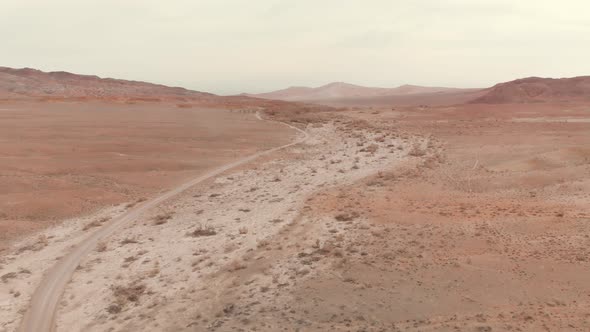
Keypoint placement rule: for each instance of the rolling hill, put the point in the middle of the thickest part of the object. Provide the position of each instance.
(537, 89)
(340, 90)
(29, 83)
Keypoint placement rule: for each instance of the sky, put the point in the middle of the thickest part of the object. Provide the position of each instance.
(235, 46)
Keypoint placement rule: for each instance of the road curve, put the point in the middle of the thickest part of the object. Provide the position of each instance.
(40, 316)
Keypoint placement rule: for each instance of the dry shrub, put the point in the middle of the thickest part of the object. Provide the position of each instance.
(101, 247)
(96, 223)
(299, 113)
(347, 216)
(126, 294)
(371, 148)
(358, 124)
(202, 231)
(155, 271)
(236, 265)
(262, 244)
(163, 218)
(128, 241)
(417, 150)
(430, 162)
(90, 225)
(41, 243)
(374, 182)
(302, 272)
(8, 276)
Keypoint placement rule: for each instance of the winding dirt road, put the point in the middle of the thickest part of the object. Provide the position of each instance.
(40, 315)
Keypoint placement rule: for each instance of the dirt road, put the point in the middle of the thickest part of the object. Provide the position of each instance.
(44, 303)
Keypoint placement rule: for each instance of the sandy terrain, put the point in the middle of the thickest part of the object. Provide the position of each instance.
(453, 218)
(494, 238)
(482, 227)
(274, 192)
(61, 160)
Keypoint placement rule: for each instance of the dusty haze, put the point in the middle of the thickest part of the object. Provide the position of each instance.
(235, 46)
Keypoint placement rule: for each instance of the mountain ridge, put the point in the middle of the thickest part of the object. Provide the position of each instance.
(537, 89)
(33, 83)
(343, 90)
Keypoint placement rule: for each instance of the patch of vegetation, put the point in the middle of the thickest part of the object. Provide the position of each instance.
(347, 216)
(202, 231)
(163, 218)
(124, 295)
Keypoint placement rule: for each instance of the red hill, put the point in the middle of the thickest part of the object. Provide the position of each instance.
(536, 89)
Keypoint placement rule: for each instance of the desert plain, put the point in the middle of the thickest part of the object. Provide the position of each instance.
(65, 159)
(400, 215)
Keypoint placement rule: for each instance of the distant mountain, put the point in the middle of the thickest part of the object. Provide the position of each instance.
(31, 83)
(34, 85)
(537, 89)
(340, 90)
(526, 90)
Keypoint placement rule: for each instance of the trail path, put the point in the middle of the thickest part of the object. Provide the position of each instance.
(40, 315)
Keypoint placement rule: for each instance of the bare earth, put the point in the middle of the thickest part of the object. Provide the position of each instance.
(464, 218)
(61, 160)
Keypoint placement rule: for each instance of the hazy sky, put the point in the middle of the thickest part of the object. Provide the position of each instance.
(232, 46)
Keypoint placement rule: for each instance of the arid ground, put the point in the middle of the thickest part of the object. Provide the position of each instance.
(488, 233)
(462, 218)
(67, 159)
